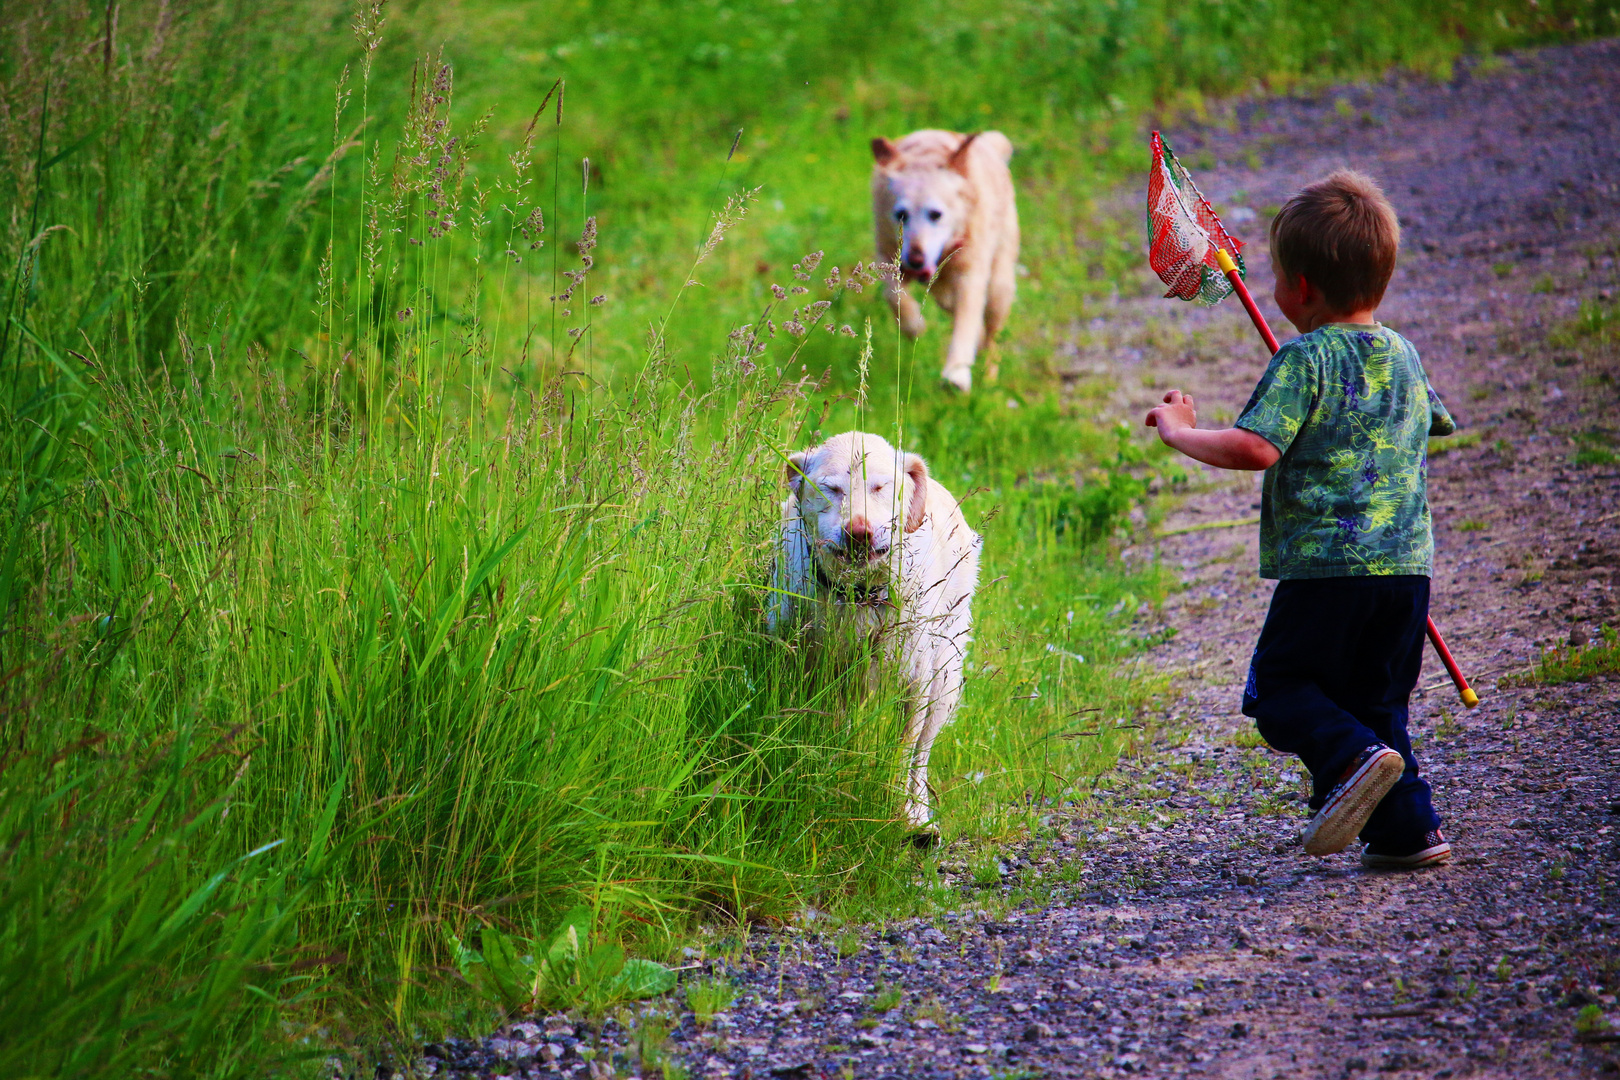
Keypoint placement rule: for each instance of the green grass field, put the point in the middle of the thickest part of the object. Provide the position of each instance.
(388, 491)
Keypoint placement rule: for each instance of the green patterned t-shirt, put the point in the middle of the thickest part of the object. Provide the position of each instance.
(1351, 410)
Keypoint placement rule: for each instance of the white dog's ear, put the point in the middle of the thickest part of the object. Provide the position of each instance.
(884, 151)
(958, 162)
(917, 497)
(793, 473)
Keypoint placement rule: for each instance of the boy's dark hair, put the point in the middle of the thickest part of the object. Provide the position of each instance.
(1342, 236)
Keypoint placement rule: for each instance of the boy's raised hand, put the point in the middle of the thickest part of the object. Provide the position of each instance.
(1176, 413)
(1228, 448)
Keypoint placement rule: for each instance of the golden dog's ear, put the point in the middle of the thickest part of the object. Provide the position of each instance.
(917, 497)
(958, 161)
(884, 151)
(793, 472)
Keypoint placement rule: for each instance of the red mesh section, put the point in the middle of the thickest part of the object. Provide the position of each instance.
(1184, 233)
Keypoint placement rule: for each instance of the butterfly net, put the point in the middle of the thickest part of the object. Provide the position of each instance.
(1184, 233)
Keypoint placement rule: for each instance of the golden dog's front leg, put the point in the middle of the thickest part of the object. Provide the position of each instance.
(992, 360)
(905, 308)
(967, 328)
(1001, 288)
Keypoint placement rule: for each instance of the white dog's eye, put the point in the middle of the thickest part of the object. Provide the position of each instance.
(934, 215)
(878, 487)
(900, 216)
(832, 489)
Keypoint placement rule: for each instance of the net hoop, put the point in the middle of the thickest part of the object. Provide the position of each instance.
(1184, 233)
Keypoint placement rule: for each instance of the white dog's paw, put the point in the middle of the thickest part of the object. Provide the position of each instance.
(913, 326)
(957, 378)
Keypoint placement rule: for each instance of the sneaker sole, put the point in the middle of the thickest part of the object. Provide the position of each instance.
(1337, 823)
(1434, 856)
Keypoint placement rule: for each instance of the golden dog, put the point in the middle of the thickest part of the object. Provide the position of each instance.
(943, 202)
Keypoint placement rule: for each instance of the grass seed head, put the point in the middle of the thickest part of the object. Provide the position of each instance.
(368, 26)
(807, 266)
(532, 227)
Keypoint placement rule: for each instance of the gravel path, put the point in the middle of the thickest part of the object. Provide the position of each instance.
(1185, 932)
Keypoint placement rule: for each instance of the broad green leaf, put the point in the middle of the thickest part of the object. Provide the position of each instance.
(464, 958)
(643, 979)
(513, 978)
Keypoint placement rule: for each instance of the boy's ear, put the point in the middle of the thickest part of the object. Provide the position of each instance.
(917, 497)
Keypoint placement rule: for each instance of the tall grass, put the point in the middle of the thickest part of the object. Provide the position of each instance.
(366, 577)
(153, 937)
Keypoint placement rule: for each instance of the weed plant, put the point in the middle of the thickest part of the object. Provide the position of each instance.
(1573, 664)
(389, 481)
(709, 997)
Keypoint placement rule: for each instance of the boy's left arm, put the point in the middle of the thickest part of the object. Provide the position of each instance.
(1226, 448)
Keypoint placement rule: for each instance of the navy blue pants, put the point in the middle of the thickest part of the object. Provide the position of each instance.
(1331, 675)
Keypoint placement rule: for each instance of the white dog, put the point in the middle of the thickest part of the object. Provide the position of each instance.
(945, 201)
(870, 541)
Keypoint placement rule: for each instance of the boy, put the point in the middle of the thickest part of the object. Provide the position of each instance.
(1340, 423)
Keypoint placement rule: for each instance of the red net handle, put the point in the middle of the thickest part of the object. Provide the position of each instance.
(1464, 691)
(1229, 268)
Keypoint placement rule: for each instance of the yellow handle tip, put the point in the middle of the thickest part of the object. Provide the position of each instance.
(1469, 698)
(1224, 261)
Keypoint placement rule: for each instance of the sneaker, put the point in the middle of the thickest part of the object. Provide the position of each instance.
(1351, 803)
(1430, 849)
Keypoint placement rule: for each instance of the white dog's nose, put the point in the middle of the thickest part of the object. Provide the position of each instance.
(858, 534)
(861, 541)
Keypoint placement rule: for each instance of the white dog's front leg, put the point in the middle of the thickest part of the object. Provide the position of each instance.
(919, 804)
(966, 330)
(791, 587)
(933, 711)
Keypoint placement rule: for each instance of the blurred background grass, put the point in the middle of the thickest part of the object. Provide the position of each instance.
(356, 588)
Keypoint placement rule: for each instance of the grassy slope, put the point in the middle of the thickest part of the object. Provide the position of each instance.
(470, 637)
